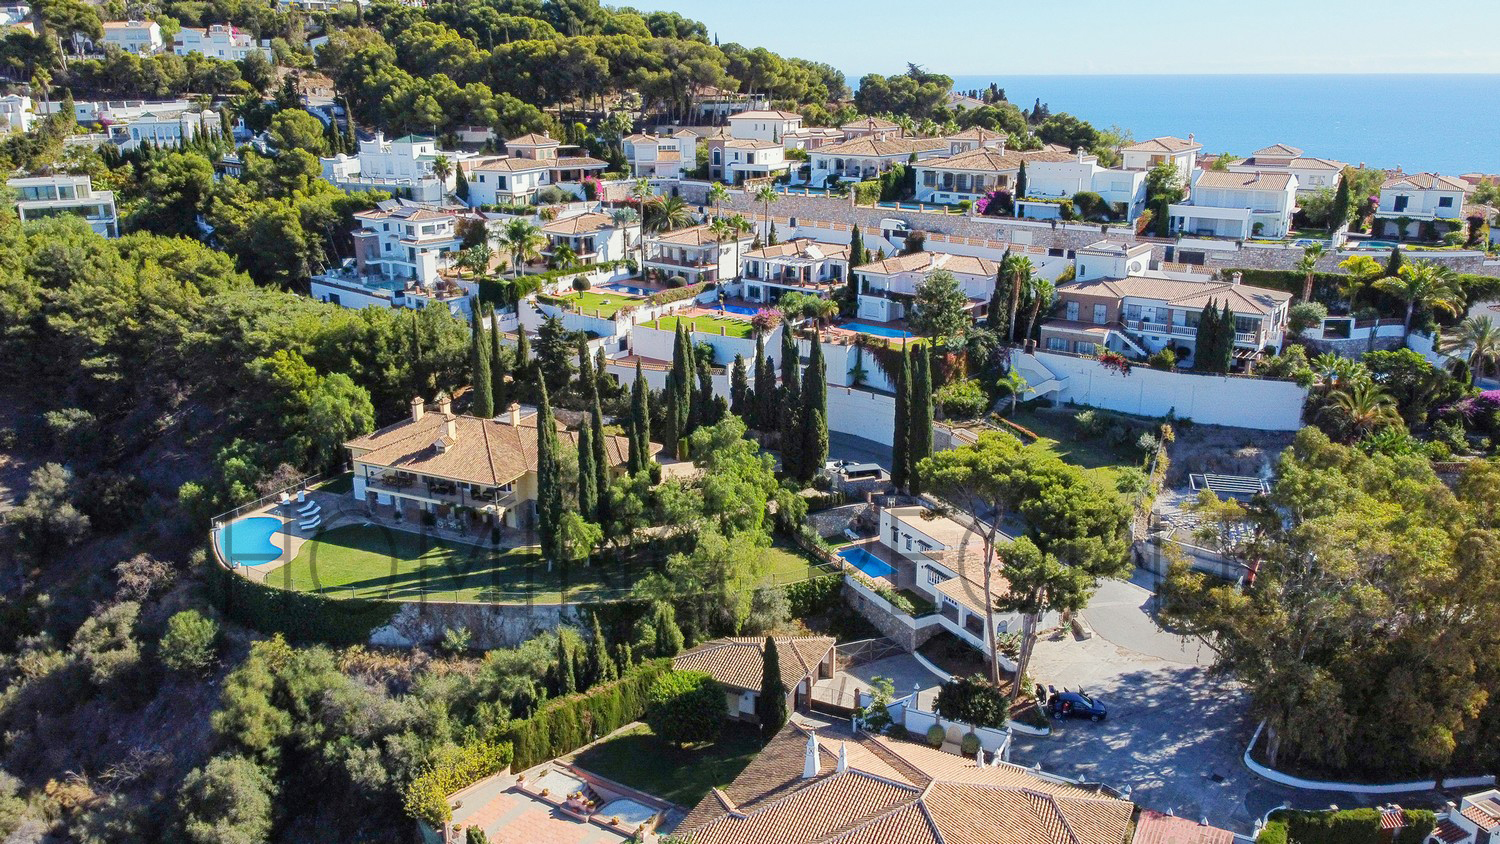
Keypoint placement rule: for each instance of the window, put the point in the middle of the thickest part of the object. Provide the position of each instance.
(1072, 311)
(1057, 344)
(1132, 312)
(1085, 348)
(934, 577)
(1401, 203)
(1445, 202)
(1101, 314)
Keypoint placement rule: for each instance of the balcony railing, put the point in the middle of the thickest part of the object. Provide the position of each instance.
(439, 490)
(1141, 325)
(692, 263)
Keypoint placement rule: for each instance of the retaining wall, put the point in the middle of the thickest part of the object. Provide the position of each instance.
(492, 626)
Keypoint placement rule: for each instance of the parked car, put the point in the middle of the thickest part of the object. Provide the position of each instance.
(1066, 704)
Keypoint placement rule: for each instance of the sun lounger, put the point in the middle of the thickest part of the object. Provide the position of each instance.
(310, 524)
(311, 508)
(849, 532)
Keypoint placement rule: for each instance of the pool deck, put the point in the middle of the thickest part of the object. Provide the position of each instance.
(904, 575)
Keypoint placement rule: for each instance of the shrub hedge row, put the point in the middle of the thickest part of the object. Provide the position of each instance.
(677, 294)
(452, 768)
(566, 724)
(299, 616)
(1347, 826)
(814, 596)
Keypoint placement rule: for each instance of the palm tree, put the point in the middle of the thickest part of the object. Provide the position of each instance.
(442, 168)
(717, 195)
(1362, 271)
(641, 190)
(1021, 272)
(665, 213)
(741, 227)
(1017, 384)
(1423, 284)
(1041, 291)
(563, 257)
(523, 240)
(623, 218)
(1364, 407)
(1479, 339)
(765, 196)
(1308, 266)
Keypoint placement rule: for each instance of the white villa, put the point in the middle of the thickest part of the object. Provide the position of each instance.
(800, 265)
(1417, 199)
(750, 158)
(1118, 303)
(171, 128)
(143, 38)
(1313, 174)
(866, 157)
(886, 288)
(695, 254)
(533, 162)
(219, 41)
(871, 127)
(594, 238)
(1237, 205)
(763, 125)
(48, 196)
(398, 252)
(968, 174)
(16, 109)
(739, 665)
(1148, 154)
(402, 166)
(653, 157)
(1475, 820)
(1051, 177)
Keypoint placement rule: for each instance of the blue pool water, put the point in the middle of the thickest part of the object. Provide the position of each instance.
(866, 562)
(742, 310)
(626, 288)
(247, 542)
(878, 330)
(1373, 244)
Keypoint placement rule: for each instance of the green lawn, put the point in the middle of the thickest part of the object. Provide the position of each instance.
(709, 325)
(341, 485)
(637, 758)
(603, 305)
(1059, 433)
(366, 561)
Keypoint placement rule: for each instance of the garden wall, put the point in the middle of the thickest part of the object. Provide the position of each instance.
(1237, 402)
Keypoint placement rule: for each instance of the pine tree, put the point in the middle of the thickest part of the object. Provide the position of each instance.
(588, 479)
(483, 403)
(499, 366)
(668, 636)
(765, 389)
(565, 682)
(640, 422)
(814, 414)
(739, 387)
(901, 433)
(790, 411)
(770, 707)
(1021, 182)
(548, 481)
(920, 445)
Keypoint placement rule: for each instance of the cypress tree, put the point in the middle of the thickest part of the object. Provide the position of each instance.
(814, 413)
(601, 667)
(601, 373)
(901, 433)
(588, 479)
(523, 372)
(580, 669)
(565, 681)
(857, 256)
(461, 184)
(771, 705)
(671, 434)
(681, 381)
(920, 445)
(765, 389)
(1338, 215)
(549, 483)
(600, 514)
(640, 422)
(1021, 182)
(499, 367)
(1206, 337)
(587, 384)
(739, 386)
(1393, 266)
(668, 636)
(791, 406)
(708, 413)
(1225, 347)
(995, 313)
(483, 403)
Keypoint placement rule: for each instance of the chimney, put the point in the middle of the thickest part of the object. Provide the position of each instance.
(515, 414)
(418, 408)
(445, 404)
(843, 757)
(1080, 155)
(810, 759)
(1002, 146)
(1190, 137)
(450, 428)
(1236, 278)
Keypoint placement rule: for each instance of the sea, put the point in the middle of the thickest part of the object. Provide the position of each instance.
(1418, 122)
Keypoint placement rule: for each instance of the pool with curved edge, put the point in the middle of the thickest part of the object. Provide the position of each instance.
(867, 562)
(877, 330)
(247, 542)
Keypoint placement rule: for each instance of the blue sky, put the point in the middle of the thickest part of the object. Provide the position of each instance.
(975, 37)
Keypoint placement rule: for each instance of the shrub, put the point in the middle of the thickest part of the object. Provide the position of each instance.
(974, 701)
(451, 768)
(1091, 206)
(1273, 833)
(580, 283)
(964, 399)
(686, 707)
(456, 640)
(935, 735)
(866, 193)
(190, 641)
(1165, 360)
(815, 596)
(566, 724)
(1305, 315)
(970, 744)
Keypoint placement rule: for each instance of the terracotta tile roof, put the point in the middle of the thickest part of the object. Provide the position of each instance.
(911, 793)
(1242, 298)
(1449, 832)
(1165, 143)
(579, 224)
(512, 164)
(1267, 180)
(1485, 813)
(738, 662)
(764, 114)
(1425, 181)
(869, 124)
(751, 143)
(533, 140)
(699, 235)
(982, 160)
(877, 148)
(578, 161)
(1277, 151)
(489, 452)
(928, 261)
(637, 137)
(801, 247)
(976, 133)
(1153, 827)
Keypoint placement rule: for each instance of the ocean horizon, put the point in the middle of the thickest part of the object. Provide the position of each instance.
(1418, 122)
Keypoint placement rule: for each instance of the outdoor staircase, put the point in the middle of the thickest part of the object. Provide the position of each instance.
(1039, 379)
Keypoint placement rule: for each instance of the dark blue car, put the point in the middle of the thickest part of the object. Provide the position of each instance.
(1066, 704)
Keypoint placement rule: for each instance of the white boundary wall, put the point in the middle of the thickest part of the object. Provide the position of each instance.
(1214, 400)
(1357, 788)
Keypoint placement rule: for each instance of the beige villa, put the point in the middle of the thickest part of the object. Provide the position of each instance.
(456, 465)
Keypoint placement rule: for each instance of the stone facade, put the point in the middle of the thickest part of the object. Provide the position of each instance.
(889, 625)
(1354, 348)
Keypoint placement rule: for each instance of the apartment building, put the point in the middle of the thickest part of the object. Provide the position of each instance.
(38, 197)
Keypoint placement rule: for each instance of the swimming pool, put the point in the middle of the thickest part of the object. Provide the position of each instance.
(877, 330)
(867, 562)
(626, 288)
(247, 542)
(742, 310)
(1374, 244)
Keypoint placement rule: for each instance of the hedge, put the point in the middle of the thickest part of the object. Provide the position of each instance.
(677, 294)
(1346, 826)
(814, 596)
(566, 724)
(452, 768)
(1476, 287)
(299, 616)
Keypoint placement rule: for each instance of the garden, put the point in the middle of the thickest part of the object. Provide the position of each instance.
(682, 774)
(709, 325)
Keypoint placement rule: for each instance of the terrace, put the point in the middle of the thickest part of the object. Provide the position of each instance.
(705, 323)
(604, 305)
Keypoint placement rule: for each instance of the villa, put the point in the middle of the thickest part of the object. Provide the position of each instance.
(1475, 820)
(820, 786)
(1183, 154)
(1237, 205)
(143, 38)
(594, 238)
(220, 41)
(653, 157)
(868, 156)
(455, 464)
(800, 265)
(871, 127)
(972, 139)
(970, 173)
(749, 158)
(403, 166)
(533, 162)
(48, 196)
(763, 125)
(1415, 205)
(1053, 177)
(399, 250)
(887, 288)
(1116, 303)
(1313, 174)
(695, 253)
(169, 128)
(739, 664)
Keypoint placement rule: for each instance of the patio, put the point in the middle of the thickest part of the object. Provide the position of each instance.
(556, 803)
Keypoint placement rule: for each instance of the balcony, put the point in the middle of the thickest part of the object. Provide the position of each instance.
(440, 490)
(689, 263)
(1142, 326)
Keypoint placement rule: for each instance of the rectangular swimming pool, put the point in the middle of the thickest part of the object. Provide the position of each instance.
(867, 562)
(742, 310)
(626, 288)
(877, 330)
